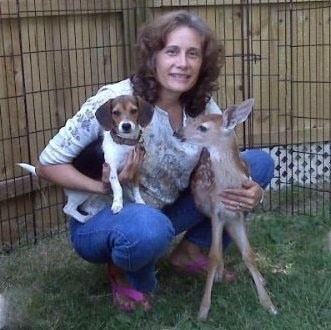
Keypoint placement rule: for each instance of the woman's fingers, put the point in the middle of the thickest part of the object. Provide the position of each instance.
(105, 178)
(139, 154)
(105, 173)
(243, 199)
(133, 164)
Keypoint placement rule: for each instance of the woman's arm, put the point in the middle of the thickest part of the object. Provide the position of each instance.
(66, 176)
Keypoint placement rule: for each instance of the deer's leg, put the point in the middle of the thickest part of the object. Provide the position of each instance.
(237, 231)
(220, 268)
(215, 259)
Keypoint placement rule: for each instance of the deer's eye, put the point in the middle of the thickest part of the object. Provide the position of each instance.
(202, 128)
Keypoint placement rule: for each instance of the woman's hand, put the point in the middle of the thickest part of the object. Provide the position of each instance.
(242, 199)
(133, 164)
(131, 167)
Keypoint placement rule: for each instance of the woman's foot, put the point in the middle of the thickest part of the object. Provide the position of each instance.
(188, 258)
(125, 298)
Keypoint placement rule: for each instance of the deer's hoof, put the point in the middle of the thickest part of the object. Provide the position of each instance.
(203, 314)
(273, 310)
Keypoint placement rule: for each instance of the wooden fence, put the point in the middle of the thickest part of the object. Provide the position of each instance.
(54, 54)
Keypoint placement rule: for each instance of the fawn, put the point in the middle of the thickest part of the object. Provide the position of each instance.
(220, 169)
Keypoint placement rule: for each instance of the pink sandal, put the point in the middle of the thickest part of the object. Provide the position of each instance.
(200, 267)
(134, 297)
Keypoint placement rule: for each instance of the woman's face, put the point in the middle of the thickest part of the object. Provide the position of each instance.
(178, 63)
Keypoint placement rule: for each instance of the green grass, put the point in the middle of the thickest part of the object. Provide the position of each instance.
(49, 287)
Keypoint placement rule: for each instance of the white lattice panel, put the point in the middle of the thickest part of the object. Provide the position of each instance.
(304, 164)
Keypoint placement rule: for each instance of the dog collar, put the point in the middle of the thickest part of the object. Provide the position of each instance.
(130, 142)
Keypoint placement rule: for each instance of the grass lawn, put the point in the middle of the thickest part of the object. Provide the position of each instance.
(48, 287)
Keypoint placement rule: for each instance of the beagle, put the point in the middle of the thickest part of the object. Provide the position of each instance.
(122, 119)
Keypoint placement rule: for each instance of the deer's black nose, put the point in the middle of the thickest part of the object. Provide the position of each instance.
(178, 135)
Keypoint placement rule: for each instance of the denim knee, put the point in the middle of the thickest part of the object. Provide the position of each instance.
(130, 238)
(261, 166)
(147, 240)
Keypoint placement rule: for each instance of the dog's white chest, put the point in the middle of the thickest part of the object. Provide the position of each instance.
(115, 154)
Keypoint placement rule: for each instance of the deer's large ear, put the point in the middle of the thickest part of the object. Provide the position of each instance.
(103, 115)
(146, 111)
(237, 114)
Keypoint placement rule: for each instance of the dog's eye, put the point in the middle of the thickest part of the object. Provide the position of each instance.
(202, 128)
(116, 113)
(133, 111)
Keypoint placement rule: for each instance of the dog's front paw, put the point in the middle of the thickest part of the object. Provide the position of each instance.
(116, 207)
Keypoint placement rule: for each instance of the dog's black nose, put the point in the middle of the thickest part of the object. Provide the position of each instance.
(126, 127)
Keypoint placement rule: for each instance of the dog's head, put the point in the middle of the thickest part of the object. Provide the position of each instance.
(125, 114)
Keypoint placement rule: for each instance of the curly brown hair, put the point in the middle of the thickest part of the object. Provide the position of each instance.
(152, 37)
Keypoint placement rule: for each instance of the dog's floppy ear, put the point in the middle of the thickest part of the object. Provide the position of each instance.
(104, 117)
(146, 111)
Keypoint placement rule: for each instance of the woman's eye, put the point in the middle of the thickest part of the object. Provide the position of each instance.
(193, 54)
(171, 51)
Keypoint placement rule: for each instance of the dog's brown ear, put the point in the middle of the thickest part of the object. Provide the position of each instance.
(103, 115)
(146, 111)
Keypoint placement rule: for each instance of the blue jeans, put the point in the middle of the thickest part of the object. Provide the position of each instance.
(138, 236)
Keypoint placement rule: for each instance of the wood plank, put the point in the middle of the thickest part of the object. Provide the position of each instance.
(182, 3)
(15, 231)
(289, 137)
(8, 8)
(18, 186)
(47, 8)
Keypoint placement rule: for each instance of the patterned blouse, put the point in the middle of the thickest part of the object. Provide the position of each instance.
(168, 162)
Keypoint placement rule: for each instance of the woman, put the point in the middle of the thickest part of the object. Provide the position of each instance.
(178, 62)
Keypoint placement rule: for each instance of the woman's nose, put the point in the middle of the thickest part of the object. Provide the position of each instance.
(182, 60)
